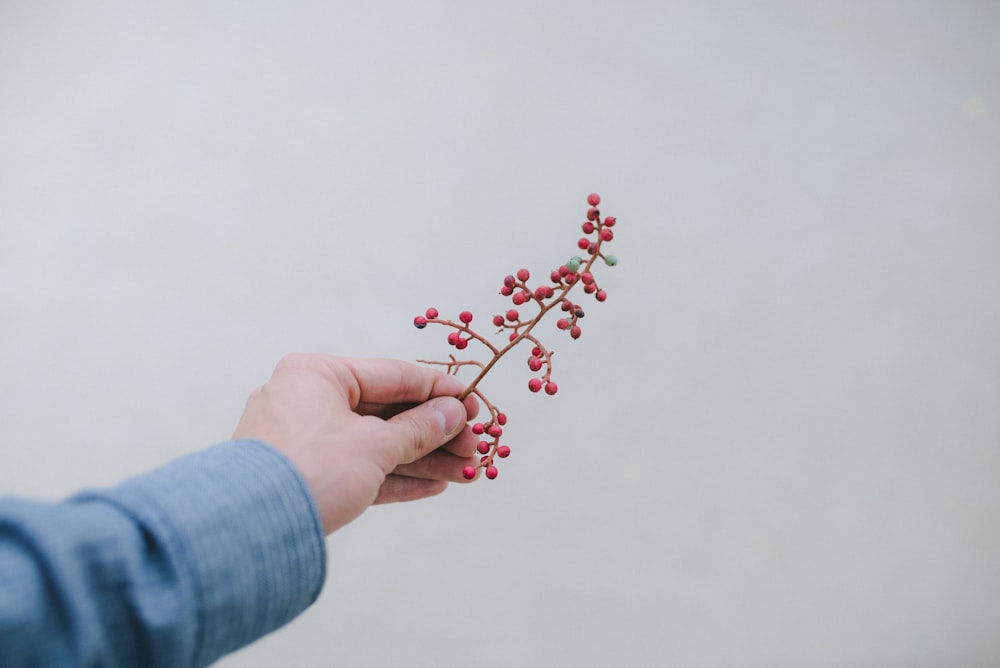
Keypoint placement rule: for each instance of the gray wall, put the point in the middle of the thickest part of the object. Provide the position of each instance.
(775, 444)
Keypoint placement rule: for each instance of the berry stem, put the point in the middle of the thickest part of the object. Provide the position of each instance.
(454, 365)
(517, 328)
(544, 308)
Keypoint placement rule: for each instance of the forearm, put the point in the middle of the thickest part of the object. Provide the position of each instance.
(175, 567)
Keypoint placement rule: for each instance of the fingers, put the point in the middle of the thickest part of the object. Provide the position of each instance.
(386, 411)
(464, 444)
(427, 476)
(403, 488)
(379, 387)
(420, 430)
(438, 465)
(383, 381)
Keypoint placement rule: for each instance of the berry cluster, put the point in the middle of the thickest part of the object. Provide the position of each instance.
(578, 270)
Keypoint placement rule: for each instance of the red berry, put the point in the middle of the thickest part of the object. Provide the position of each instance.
(601, 295)
(501, 418)
(534, 363)
(478, 428)
(498, 320)
(562, 323)
(518, 298)
(534, 384)
(483, 447)
(587, 278)
(491, 472)
(507, 290)
(509, 281)
(571, 279)
(465, 316)
(483, 460)
(536, 351)
(462, 344)
(495, 431)
(609, 221)
(576, 331)
(420, 322)
(593, 199)
(523, 275)
(590, 288)
(454, 338)
(503, 451)
(551, 388)
(588, 228)
(567, 305)
(513, 335)
(583, 243)
(555, 276)
(431, 313)
(591, 248)
(512, 315)
(468, 473)
(593, 213)
(607, 234)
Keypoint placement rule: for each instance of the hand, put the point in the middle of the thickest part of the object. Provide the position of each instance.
(363, 431)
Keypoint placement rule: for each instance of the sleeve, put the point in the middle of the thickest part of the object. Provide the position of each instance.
(176, 567)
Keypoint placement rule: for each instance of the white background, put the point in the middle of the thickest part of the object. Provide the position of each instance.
(775, 444)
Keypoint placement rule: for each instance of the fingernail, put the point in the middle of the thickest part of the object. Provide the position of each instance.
(450, 413)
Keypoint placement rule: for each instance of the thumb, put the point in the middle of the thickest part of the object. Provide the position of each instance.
(426, 427)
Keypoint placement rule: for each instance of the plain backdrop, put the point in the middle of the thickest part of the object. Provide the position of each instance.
(778, 441)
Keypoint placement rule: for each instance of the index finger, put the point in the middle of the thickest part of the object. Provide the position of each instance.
(383, 382)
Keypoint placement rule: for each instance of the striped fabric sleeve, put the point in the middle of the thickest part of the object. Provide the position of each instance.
(176, 567)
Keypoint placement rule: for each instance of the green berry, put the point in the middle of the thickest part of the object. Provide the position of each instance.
(573, 264)
(610, 260)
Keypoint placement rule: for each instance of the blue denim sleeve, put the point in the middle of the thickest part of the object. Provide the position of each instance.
(176, 567)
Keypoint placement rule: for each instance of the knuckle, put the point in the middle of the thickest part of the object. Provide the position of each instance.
(293, 361)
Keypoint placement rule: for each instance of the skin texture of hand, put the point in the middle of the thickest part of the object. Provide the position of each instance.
(363, 431)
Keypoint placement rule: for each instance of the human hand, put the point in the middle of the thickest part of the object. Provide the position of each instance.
(363, 431)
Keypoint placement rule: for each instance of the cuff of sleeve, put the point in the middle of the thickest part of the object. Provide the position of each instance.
(243, 530)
